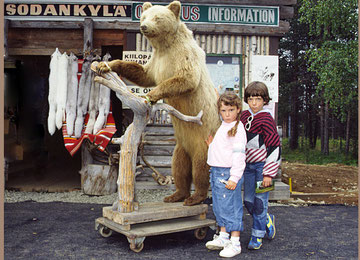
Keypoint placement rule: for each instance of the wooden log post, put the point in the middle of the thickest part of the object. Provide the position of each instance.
(129, 142)
(88, 35)
(6, 30)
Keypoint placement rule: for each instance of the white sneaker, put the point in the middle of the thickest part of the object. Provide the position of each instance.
(230, 250)
(217, 243)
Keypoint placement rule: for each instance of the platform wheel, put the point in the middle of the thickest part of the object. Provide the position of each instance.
(136, 243)
(137, 247)
(105, 231)
(200, 233)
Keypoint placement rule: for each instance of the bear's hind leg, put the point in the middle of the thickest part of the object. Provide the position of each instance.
(200, 176)
(181, 171)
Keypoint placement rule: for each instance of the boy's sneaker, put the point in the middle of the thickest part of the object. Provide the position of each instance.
(270, 226)
(255, 243)
(230, 250)
(217, 243)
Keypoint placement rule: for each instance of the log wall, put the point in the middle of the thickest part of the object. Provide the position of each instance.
(43, 41)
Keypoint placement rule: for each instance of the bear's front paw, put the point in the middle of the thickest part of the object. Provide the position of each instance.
(176, 197)
(103, 67)
(151, 98)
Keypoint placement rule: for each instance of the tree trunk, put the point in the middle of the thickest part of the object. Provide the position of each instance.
(322, 108)
(347, 137)
(315, 128)
(308, 127)
(294, 127)
(333, 127)
(326, 129)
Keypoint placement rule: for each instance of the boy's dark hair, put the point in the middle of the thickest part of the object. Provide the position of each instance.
(257, 88)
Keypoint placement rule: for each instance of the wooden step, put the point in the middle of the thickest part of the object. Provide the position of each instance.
(157, 161)
(160, 140)
(156, 150)
(159, 130)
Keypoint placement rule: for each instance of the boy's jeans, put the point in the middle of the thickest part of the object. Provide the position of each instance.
(255, 203)
(227, 204)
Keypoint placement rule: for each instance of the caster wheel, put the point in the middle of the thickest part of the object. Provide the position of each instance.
(105, 231)
(137, 248)
(200, 233)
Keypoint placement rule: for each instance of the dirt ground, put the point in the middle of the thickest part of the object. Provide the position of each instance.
(330, 184)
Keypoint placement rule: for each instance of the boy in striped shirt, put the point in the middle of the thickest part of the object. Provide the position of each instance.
(262, 160)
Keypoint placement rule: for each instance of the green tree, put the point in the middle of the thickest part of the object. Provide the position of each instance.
(296, 90)
(333, 58)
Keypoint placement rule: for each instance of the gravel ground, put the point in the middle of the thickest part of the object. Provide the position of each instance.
(143, 196)
(80, 197)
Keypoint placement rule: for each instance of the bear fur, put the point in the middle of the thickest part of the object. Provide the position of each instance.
(178, 71)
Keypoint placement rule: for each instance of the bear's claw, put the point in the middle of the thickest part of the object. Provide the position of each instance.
(102, 67)
(194, 200)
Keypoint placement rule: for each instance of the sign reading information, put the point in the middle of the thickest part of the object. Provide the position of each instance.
(246, 15)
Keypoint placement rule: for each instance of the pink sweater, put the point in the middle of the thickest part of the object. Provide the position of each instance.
(229, 152)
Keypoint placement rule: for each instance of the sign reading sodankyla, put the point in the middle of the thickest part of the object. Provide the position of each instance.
(246, 15)
(66, 10)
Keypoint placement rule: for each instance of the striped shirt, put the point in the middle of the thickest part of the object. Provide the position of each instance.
(263, 141)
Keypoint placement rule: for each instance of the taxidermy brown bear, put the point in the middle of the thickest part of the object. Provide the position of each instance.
(178, 71)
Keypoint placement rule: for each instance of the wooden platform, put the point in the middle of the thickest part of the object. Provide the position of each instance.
(154, 211)
(152, 219)
(159, 227)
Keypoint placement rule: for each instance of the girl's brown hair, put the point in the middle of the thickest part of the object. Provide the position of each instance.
(257, 88)
(231, 99)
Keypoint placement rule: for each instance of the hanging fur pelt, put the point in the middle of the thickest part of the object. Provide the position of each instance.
(72, 89)
(61, 91)
(53, 81)
(83, 95)
(93, 102)
(104, 103)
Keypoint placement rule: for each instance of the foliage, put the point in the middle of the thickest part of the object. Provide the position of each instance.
(331, 19)
(334, 56)
(336, 67)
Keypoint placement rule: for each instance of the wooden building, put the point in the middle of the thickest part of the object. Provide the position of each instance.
(229, 28)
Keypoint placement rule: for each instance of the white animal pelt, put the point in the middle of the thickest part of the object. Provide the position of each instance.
(83, 95)
(104, 103)
(61, 91)
(53, 81)
(93, 102)
(72, 89)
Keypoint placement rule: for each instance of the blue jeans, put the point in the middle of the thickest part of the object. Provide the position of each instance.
(255, 203)
(227, 204)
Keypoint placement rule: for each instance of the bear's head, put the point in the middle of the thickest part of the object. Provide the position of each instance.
(160, 21)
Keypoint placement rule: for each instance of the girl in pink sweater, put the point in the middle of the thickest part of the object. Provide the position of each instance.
(226, 157)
